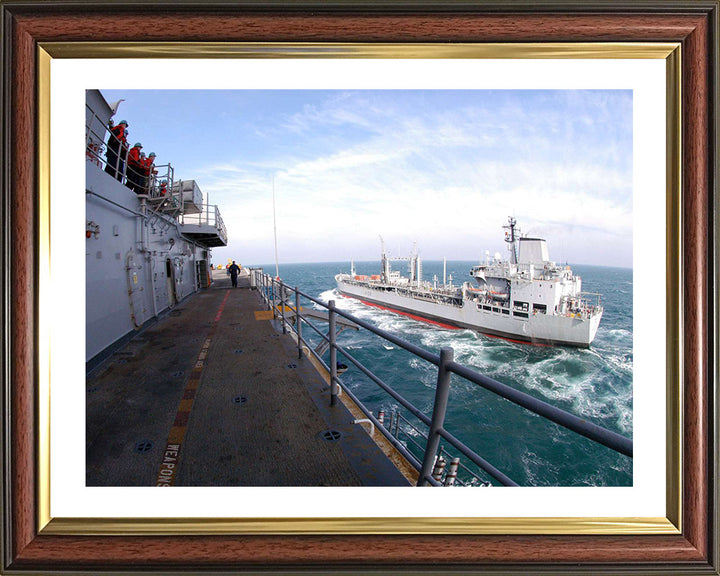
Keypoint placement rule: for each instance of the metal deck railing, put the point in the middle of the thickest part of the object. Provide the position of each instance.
(158, 184)
(285, 301)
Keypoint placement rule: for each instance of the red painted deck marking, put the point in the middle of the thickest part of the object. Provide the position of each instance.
(168, 466)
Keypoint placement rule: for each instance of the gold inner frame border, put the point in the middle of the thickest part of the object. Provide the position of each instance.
(671, 524)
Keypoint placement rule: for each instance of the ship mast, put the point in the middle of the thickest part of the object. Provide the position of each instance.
(511, 238)
(385, 263)
(277, 268)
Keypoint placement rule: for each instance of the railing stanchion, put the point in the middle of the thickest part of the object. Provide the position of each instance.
(442, 392)
(272, 294)
(283, 299)
(267, 292)
(333, 353)
(298, 323)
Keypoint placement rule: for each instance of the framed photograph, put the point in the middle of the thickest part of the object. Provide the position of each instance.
(657, 515)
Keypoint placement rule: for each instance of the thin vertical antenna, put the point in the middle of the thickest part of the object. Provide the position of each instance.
(277, 268)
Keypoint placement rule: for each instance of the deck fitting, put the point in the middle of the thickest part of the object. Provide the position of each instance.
(330, 435)
(143, 446)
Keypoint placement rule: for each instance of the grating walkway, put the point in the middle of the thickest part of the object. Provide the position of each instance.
(213, 395)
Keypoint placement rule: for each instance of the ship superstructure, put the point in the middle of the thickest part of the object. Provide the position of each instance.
(148, 236)
(526, 297)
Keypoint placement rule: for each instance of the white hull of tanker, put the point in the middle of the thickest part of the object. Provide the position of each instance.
(536, 328)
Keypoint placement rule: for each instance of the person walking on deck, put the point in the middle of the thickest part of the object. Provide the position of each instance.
(234, 270)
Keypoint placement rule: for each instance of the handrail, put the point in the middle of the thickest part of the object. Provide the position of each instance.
(271, 289)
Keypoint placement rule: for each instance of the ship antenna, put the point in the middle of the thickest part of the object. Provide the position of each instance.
(277, 268)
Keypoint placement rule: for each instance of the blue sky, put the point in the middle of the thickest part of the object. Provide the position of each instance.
(443, 168)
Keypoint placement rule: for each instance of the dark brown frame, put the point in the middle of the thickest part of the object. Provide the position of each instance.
(694, 24)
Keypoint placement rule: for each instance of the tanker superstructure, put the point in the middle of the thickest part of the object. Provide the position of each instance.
(526, 297)
(146, 249)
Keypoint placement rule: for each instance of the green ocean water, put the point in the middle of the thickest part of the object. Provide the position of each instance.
(595, 383)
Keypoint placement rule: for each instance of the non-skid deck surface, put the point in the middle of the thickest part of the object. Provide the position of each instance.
(214, 395)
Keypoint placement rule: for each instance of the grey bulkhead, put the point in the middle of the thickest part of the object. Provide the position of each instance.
(127, 260)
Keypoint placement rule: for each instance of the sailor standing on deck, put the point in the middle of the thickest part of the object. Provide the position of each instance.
(234, 270)
(116, 149)
(149, 170)
(135, 169)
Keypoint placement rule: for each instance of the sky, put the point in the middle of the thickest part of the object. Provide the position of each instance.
(440, 168)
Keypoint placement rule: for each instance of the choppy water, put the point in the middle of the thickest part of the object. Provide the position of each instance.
(594, 383)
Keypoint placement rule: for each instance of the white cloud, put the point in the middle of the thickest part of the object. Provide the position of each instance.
(446, 178)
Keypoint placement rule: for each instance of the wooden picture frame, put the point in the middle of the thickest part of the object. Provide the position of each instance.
(29, 546)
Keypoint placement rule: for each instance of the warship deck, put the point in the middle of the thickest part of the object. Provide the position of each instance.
(213, 394)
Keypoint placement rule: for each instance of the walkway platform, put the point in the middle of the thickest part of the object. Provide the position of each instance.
(214, 395)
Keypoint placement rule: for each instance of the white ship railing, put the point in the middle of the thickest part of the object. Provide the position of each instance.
(285, 302)
(209, 215)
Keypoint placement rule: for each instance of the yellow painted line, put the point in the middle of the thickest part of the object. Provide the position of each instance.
(186, 405)
(264, 315)
(176, 435)
(168, 466)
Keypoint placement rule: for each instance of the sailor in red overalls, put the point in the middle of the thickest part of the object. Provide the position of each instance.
(116, 145)
(135, 170)
(149, 168)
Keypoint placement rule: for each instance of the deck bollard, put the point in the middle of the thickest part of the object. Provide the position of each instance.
(442, 390)
(298, 323)
(333, 353)
(451, 475)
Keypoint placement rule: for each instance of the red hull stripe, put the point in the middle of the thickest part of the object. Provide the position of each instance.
(528, 342)
(413, 316)
(447, 326)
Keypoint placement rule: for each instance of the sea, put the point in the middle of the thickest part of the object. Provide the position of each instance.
(595, 383)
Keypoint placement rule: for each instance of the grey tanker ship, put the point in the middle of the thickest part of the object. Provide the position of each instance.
(527, 298)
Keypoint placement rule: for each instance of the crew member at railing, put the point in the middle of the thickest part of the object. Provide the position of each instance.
(135, 169)
(116, 149)
(149, 169)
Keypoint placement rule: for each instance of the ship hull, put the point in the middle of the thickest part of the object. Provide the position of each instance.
(536, 329)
